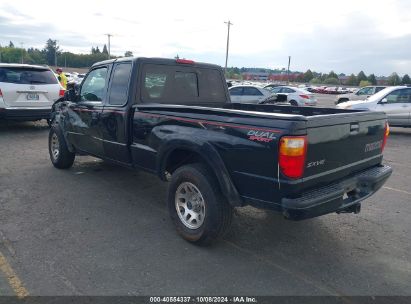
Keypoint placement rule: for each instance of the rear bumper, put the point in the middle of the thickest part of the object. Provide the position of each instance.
(25, 113)
(336, 197)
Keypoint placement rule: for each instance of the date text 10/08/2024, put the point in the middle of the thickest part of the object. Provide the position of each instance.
(239, 299)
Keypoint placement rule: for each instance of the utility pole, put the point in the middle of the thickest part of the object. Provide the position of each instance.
(55, 54)
(22, 52)
(108, 37)
(288, 70)
(228, 42)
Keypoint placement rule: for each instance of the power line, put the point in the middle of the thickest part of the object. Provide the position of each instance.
(228, 42)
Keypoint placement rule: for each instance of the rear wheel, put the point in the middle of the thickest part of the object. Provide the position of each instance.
(196, 206)
(60, 155)
(294, 103)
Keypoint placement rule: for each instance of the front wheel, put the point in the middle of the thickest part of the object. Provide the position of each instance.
(60, 155)
(196, 206)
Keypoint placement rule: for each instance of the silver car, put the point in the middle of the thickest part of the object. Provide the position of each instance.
(361, 94)
(394, 101)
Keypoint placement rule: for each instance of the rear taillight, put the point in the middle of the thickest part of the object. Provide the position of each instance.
(1, 93)
(61, 93)
(305, 96)
(386, 133)
(292, 153)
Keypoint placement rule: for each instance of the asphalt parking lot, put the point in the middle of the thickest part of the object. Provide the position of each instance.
(99, 229)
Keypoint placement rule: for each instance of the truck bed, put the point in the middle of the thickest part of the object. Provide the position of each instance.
(253, 165)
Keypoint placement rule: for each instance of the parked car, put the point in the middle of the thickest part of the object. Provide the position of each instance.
(295, 96)
(320, 90)
(27, 92)
(361, 94)
(151, 114)
(248, 94)
(331, 90)
(343, 90)
(394, 101)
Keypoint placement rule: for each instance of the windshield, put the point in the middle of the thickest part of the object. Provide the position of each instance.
(24, 75)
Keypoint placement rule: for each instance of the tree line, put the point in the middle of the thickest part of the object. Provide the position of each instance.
(52, 55)
(360, 79)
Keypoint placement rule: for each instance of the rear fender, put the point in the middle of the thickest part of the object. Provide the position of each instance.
(212, 159)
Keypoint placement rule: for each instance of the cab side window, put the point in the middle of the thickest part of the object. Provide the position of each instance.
(94, 86)
(119, 84)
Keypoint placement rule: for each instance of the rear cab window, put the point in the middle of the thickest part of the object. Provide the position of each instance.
(27, 75)
(173, 84)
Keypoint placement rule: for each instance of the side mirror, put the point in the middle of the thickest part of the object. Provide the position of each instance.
(70, 95)
(384, 100)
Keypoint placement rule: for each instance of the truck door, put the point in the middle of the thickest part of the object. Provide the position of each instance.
(114, 116)
(85, 114)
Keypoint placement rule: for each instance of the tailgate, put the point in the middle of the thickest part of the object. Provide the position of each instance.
(342, 144)
(24, 95)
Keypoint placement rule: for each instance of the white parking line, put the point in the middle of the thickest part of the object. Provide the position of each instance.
(397, 190)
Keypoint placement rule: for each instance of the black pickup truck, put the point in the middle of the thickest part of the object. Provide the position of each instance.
(174, 118)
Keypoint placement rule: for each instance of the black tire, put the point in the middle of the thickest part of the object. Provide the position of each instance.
(293, 103)
(64, 158)
(217, 211)
(341, 100)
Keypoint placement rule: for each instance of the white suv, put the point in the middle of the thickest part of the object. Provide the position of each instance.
(27, 92)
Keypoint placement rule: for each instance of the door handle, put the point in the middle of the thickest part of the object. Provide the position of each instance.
(95, 115)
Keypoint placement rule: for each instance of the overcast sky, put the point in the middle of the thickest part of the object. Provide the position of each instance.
(348, 36)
